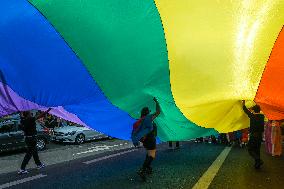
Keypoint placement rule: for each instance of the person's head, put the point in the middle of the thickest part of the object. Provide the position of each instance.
(27, 114)
(145, 111)
(256, 109)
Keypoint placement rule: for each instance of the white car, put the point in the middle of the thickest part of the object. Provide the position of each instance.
(76, 134)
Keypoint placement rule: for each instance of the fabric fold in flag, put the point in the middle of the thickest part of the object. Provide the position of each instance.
(270, 94)
(217, 54)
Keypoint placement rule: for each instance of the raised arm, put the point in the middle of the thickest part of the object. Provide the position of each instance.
(42, 114)
(158, 109)
(250, 115)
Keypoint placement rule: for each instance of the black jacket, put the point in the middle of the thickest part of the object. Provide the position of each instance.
(29, 126)
(256, 121)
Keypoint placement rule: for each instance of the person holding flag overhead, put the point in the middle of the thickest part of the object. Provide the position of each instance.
(28, 124)
(256, 130)
(144, 130)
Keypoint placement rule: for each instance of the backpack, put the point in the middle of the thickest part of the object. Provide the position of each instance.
(135, 129)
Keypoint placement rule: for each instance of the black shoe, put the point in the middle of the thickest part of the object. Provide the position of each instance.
(142, 174)
(258, 164)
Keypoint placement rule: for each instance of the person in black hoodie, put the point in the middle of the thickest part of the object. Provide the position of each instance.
(28, 124)
(256, 130)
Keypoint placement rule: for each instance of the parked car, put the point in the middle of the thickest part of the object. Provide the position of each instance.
(76, 134)
(12, 137)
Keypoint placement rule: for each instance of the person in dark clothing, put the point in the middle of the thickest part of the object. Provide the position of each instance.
(223, 139)
(199, 140)
(147, 135)
(50, 122)
(28, 123)
(256, 129)
(213, 139)
(171, 144)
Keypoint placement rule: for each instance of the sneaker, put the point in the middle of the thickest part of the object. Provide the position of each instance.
(41, 166)
(22, 171)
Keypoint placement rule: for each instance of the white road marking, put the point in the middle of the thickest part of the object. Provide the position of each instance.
(14, 183)
(99, 148)
(96, 149)
(208, 176)
(110, 156)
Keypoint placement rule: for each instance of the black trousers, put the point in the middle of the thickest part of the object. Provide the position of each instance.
(31, 151)
(254, 145)
(171, 144)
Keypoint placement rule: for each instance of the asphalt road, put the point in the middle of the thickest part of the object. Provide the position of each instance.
(58, 153)
(237, 172)
(181, 168)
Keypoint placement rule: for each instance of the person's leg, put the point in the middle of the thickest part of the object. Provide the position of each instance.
(35, 153)
(259, 160)
(150, 157)
(278, 142)
(152, 153)
(170, 144)
(270, 140)
(143, 171)
(266, 143)
(150, 145)
(257, 150)
(252, 148)
(146, 168)
(28, 155)
(177, 144)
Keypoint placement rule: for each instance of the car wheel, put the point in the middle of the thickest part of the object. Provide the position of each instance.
(40, 144)
(80, 139)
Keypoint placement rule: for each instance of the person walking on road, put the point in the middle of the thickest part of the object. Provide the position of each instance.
(256, 130)
(28, 123)
(146, 133)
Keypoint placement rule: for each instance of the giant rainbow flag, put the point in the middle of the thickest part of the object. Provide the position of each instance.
(99, 62)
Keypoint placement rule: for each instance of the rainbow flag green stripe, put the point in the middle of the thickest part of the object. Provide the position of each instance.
(99, 62)
(122, 45)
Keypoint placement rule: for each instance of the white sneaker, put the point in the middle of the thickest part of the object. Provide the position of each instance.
(21, 172)
(41, 166)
